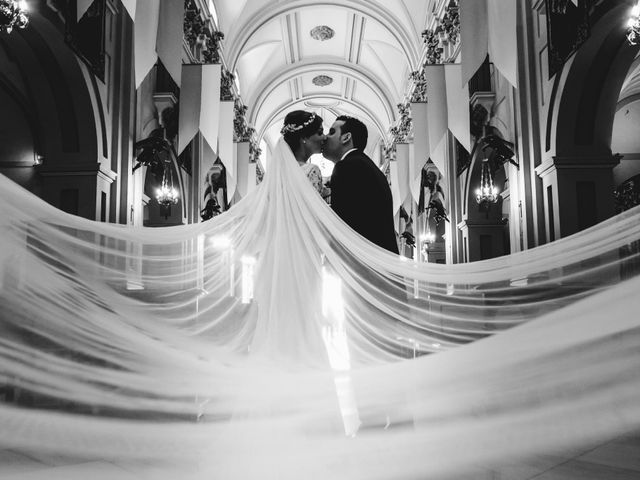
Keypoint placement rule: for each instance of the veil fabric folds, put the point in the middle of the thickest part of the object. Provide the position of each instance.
(274, 342)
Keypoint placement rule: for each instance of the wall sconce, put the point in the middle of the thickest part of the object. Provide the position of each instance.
(13, 14)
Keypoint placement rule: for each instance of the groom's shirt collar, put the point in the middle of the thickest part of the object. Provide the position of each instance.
(347, 153)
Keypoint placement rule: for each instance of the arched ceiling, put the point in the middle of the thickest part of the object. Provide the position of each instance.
(334, 57)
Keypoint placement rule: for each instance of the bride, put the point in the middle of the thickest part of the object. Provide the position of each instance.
(139, 346)
(305, 136)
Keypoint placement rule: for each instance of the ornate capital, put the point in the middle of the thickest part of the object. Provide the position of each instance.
(434, 50)
(418, 92)
(241, 131)
(445, 32)
(389, 152)
(193, 23)
(200, 35)
(451, 23)
(226, 86)
(259, 173)
(401, 132)
(211, 53)
(254, 151)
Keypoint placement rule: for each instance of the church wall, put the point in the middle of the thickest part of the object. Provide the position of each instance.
(79, 123)
(82, 128)
(17, 146)
(579, 124)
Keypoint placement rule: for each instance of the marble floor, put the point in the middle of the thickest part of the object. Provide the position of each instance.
(618, 459)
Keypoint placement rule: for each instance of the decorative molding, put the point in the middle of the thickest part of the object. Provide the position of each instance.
(322, 33)
(75, 170)
(402, 132)
(434, 50)
(201, 36)
(466, 225)
(211, 54)
(241, 131)
(377, 11)
(259, 173)
(445, 33)
(451, 23)
(322, 103)
(389, 153)
(322, 80)
(254, 151)
(193, 23)
(572, 163)
(226, 86)
(486, 99)
(164, 100)
(418, 89)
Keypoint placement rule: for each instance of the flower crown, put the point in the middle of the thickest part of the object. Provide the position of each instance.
(292, 127)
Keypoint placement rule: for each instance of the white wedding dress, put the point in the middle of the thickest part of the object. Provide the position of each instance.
(248, 345)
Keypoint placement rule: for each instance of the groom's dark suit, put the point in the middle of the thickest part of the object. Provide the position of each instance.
(361, 196)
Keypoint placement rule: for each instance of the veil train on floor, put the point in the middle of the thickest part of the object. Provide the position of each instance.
(273, 340)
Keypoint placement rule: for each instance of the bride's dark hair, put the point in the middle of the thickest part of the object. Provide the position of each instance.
(299, 124)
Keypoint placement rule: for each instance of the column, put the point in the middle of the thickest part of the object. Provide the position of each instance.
(243, 166)
(578, 192)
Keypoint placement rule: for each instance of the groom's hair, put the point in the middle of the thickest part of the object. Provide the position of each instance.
(359, 133)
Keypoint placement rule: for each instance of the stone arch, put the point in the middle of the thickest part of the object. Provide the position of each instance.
(586, 90)
(251, 24)
(59, 105)
(366, 113)
(484, 232)
(327, 65)
(578, 163)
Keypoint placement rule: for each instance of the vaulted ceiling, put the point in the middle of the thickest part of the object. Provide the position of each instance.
(333, 57)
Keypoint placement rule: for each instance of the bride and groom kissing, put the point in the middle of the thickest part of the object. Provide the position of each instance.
(360, 193)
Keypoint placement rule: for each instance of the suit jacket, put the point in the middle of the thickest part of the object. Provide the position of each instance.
(361, 196)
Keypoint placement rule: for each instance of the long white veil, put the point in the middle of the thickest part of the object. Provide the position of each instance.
(274, 342)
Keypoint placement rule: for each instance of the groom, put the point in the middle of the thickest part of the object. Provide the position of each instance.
(360, 193)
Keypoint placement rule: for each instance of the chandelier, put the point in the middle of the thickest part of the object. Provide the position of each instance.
(487, 193)
(13, 14)
(166, 195)
(633, 25)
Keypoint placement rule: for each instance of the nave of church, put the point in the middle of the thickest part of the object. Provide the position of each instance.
(160, 264)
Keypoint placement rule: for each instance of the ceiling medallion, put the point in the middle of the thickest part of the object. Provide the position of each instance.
(322, 80)
(322, 33)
